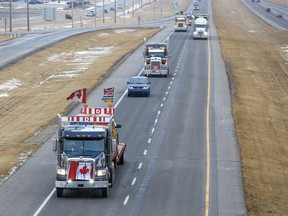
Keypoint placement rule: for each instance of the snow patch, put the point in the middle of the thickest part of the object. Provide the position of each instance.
(119, 31)
(10, 84)
(4, 95)
(79, 61)
(103, 35)
(285, 52)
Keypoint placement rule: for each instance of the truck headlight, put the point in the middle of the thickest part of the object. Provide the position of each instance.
(101, 172)
(61, 172)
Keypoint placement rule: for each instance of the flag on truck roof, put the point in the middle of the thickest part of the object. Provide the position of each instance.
(79, 96)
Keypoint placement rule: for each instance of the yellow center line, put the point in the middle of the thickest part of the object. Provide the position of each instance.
(207, 193)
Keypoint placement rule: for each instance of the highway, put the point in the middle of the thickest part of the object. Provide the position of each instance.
(182, 156)
(259, 9)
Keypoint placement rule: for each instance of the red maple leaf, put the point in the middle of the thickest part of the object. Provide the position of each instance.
(84, 170)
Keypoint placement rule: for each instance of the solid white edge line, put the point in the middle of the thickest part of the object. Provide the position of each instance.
(44, 203)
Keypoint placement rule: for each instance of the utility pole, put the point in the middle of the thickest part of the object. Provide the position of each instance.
(72, 7)
(95, 13)
(103, 12)
(124, 8)
(10, 10)
(28, 24)
(115, 11)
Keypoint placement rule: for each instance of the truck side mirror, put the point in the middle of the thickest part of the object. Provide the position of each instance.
(55, 144)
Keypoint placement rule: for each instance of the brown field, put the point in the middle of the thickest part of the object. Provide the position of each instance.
(258, 67)
(254, 52)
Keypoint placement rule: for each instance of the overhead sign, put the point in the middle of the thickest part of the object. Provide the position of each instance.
(49, 14)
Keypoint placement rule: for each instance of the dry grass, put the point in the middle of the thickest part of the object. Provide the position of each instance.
(4, 37)
(259, 72)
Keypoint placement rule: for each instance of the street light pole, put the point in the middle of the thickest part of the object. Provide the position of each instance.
(28, 24)
(10, 10)
(103, 13)
(72, 6)
(124, 8)
(115, 11)
(95, 13)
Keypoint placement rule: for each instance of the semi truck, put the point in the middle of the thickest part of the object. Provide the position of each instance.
(88, 151)
(181, 22)
(200, 28)
(156, 59)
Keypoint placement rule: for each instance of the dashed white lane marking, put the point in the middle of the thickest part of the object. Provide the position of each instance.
(139, 166)
(152, 131)
(159, 112)
(166, 92)
(161, 105)
(169, 87)
(155, 122)
(145, 152)
(149, 140)
(164, 98)
(134, 180)
(126, 200)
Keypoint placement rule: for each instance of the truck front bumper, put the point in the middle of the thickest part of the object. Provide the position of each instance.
(81, 184)
(156, 72)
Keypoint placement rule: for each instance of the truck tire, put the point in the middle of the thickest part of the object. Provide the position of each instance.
(112, 176)
(59, 192)
(104, 192)
(122, 158)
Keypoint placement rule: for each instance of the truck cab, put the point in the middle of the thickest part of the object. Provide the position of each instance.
(88, 151)
(200, 28)
(156, 59)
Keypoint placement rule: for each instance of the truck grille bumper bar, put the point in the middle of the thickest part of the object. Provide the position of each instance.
(82, 184)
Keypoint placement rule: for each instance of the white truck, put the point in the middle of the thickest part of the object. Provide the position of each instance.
(200, 28)
(88, 151)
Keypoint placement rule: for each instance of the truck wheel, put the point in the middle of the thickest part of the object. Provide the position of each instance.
(59, 192)
(104, 192)
(112, 176)
(122, 158)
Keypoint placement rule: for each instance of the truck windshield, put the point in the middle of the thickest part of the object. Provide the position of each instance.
(201, 26)
(156, 54)
(90, 148)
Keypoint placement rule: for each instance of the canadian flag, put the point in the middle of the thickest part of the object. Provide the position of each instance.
(79, 95)
(80, 171)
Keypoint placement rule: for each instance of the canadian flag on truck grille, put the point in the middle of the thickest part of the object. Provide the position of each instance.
(80, 171)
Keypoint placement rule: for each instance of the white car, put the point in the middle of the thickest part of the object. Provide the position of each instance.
(90, 14)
